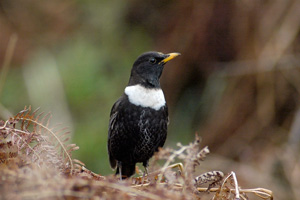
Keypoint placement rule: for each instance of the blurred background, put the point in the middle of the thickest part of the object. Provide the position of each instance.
(237, 82)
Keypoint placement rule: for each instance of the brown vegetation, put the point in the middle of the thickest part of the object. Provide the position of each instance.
(36, 163)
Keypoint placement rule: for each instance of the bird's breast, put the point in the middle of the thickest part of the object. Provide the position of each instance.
(140, 96)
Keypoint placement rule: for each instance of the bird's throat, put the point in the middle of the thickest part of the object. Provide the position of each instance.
(145, 97)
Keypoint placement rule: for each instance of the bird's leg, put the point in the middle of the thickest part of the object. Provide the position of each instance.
(119, 164)
(145, 172)
(145, 164)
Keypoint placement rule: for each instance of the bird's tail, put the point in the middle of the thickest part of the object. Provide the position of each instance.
(127, 170)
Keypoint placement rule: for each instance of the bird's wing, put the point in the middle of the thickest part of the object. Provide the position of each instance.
(163, 138)
(112, 130)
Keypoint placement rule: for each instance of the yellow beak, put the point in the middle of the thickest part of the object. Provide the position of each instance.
(170, 57)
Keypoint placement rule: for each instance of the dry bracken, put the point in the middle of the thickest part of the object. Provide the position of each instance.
(36, 163)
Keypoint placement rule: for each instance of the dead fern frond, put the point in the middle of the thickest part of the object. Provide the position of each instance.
(30, 133)
(27, 117)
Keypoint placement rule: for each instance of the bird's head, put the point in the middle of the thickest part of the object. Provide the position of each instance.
(148, 68)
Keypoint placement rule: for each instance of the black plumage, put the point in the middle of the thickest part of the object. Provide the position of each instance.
(139, 118)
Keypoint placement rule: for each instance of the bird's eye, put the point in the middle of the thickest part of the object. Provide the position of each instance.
(152, 60)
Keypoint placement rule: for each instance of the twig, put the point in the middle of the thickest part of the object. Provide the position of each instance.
(237, 193)
(177, 185)
(159, 174)
(93, 174)
(171, 158)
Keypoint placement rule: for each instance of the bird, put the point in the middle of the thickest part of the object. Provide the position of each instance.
(139, 118)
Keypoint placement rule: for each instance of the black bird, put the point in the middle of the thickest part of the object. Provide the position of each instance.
(139, 118)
